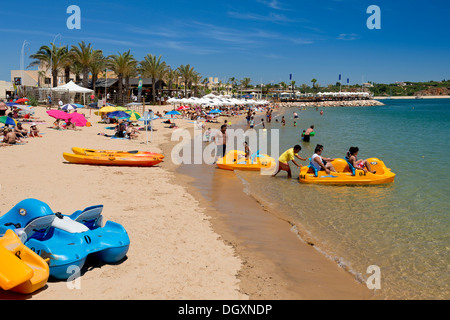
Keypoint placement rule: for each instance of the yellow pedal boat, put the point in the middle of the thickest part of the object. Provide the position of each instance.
(345, 176)
(235, 160)
(21, 270)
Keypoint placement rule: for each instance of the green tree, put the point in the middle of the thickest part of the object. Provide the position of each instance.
(123, 65)
(52, 58)
(152, 67)
(85, 55)
(186, 73)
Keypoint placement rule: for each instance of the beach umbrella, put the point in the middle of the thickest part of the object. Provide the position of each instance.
(7, 120)
(121, 109)
(134, 116)
(78, 119)
(68, 107)
(79, 105)
(119, 115)
(133, 104)
(107, 109)
(173, 112)
(23, 100)
(215, 111)
(182, 108)
(58, 114)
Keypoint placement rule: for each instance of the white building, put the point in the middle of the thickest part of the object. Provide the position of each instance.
(6, 87)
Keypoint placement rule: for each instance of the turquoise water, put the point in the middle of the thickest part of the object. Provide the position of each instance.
(402, 227)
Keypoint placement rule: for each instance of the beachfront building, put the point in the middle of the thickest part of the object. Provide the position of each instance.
(109, 88)
(6, 89)
(27, 78)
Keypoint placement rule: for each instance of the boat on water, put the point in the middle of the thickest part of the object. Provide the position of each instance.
(347, 175)
(236, 160)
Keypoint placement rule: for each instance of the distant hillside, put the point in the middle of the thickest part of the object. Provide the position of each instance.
(431, 88)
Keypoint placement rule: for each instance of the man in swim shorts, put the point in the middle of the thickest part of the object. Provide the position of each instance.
(289, 155)
(307, 135)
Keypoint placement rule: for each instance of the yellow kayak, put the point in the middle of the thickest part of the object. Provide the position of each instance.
(104, 159)
(235, 160)
(95, 152)
(21, 270)
(344, 174)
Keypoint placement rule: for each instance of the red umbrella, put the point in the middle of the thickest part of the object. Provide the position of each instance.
(58, 114)
(182, 108)
(78, 119)
(22, 100)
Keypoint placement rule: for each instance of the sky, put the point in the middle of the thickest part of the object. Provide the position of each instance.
(265, 40)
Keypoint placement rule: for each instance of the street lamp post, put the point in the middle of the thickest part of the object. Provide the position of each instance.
(22, 66)
(51, 63)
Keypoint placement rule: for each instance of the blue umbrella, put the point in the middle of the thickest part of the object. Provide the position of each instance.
(7, 120)
(79, 105)
(215, 111)
(67, 107)
(119, 115)
(173, 112)
(148, 119)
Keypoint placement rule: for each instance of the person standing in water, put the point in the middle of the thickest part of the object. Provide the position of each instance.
(307, 135)
(289, 155)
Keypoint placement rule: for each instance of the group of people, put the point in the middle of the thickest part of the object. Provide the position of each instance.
(18, 134)
(123, 130)
(319, 162)
(60, 124)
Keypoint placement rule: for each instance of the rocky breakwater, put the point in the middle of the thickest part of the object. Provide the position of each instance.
(343, 103)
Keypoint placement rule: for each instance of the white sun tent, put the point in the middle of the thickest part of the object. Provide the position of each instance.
(73, 89)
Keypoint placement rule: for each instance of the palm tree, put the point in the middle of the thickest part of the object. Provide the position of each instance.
(245, 82)
(314, 82)
(85, 55)
(186, 73)
(123, 65)
(97, 66)
(152, 67)
(51, 58)
(172, 77)
(196, 77)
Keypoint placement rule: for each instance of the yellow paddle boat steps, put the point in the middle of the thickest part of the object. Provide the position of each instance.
(21, 270)
(344, 175)
(235, 160)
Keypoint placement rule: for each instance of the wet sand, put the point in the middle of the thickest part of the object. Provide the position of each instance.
(276, 264)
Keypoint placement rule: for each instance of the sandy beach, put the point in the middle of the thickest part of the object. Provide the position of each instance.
(184, 244)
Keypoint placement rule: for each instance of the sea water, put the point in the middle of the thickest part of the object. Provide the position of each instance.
(402, 227)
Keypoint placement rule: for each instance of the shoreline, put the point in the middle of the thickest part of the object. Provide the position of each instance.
(278, 263)
(174, 253)
(199, 252)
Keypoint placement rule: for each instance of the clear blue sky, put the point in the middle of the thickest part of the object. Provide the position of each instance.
(265, 40)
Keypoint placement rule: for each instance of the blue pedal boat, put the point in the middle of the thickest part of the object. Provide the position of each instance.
(66, 240)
